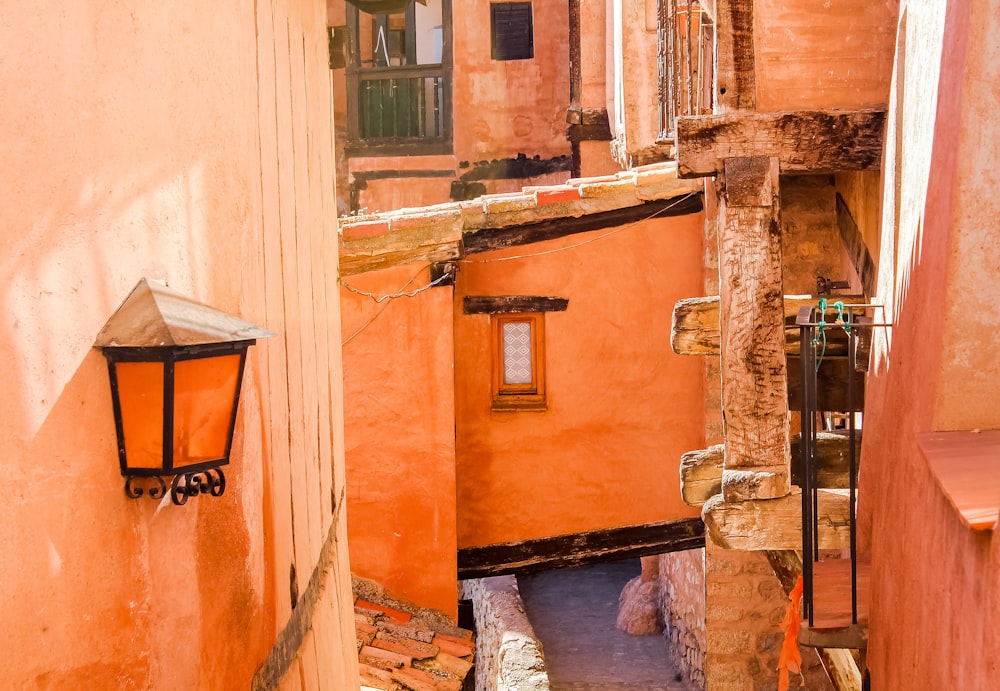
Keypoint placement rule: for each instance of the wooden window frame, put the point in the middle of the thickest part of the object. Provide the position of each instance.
(530, 396)
(356, 75)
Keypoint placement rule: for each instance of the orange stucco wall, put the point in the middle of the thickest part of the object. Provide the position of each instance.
(622, 407)
(935, 591)
(500, 108)
(144, 140)
(400, 433)
(823, 54)
(506, 107)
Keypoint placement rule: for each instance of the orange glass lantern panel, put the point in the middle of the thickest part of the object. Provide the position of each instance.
(140, 390)
(204, 401)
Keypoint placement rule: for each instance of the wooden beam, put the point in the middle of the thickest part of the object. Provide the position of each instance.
(803, 142)
(701, 471)
(751, 317)
(695, 325)
(440, 243)
(489, 239)
(701, 474)
(512, 304)
(596, 546)
(857, 250)
(840, 665)
(764, 524)
(736, 75)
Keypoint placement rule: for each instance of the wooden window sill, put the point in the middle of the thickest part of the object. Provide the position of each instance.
(966, 465)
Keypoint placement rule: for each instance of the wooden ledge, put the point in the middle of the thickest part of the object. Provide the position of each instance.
(966, 465)
(701, 471)
(776, 524)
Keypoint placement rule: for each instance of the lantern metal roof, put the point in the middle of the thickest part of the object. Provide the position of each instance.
(154, 315)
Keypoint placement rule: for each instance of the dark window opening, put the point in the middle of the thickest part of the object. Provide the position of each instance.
(399, 80)
(512, 31)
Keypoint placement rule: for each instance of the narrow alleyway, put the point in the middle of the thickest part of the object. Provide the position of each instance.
(573, 613)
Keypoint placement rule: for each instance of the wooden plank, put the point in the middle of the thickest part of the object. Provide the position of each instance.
(768, 524)
(736, 76)
(695, 325)
(489, 239)
(816, 141)
(857, 250)
(752, 319)
(512, 304)
(701, 471)
(576, 549)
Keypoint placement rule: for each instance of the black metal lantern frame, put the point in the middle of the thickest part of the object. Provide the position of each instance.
(175, 411)
(188, 480)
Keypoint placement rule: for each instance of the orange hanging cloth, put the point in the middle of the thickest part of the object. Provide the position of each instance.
(790, 659)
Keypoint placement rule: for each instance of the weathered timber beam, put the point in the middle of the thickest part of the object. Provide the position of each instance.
(488, 239)
(512, 304)
(762, 524)
(701, 474)
(857, 250)
(432, 237)
(817, 141)
(751, 319)
(541, 554)
(736, 75)
(701, 471)
(695, 325)
(839, 663)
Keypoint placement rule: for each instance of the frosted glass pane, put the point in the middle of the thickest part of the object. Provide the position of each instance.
(517, 353)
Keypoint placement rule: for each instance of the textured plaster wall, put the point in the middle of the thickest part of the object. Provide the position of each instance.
(622, 407)
(400, 433)
(144, 141)
(506, 107)
(937, 278)
(823, 54)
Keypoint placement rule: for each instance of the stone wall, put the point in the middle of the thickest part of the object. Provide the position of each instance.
(682, 601)
(745, 608)
(508, 654)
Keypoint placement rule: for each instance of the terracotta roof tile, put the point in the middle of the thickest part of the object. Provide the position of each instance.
(404, 649)
(397, 616)
(453, 647)
(407, 677)
(453, 665)
(396, 659)
(419, 649)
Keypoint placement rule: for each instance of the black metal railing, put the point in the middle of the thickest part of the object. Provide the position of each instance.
(401, 103)
(849, 323)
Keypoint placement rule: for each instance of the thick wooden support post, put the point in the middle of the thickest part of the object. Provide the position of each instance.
(839, 663)
(752, 321)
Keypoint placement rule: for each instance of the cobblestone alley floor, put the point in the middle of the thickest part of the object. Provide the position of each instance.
(573, 613)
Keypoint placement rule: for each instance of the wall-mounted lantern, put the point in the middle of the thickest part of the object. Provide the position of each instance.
(176, 368)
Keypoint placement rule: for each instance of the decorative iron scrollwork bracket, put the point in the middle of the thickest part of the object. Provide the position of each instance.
(182, 487)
